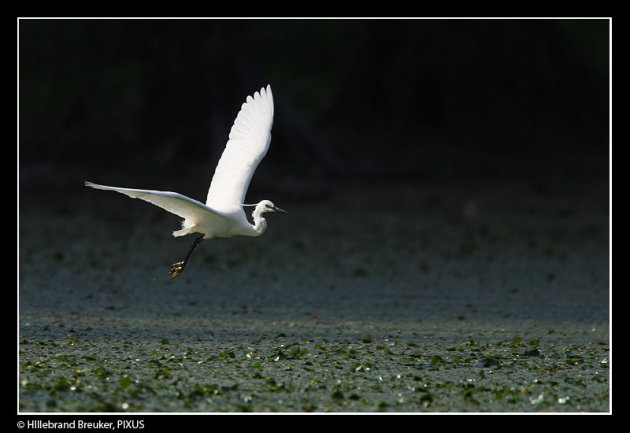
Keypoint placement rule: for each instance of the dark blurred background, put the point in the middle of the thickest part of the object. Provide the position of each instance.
(149, 103)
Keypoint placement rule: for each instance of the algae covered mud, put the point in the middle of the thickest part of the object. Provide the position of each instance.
(456, 305)
(310, 366)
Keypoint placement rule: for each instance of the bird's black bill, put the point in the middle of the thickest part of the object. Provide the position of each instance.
(277, 209)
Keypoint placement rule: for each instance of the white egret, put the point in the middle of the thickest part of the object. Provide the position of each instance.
(223, 214)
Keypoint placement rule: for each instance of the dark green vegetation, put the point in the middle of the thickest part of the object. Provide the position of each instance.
(313, 367)
(429, 306)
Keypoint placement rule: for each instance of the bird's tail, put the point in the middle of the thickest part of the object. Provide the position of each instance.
(187, 229)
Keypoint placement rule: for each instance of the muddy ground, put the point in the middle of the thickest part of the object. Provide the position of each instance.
(398, 298)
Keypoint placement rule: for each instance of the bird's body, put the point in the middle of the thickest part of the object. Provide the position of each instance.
(222, 215)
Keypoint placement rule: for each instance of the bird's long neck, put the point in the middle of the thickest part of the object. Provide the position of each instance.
(260, 223)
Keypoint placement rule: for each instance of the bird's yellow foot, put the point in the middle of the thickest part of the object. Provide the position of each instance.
(176, 269)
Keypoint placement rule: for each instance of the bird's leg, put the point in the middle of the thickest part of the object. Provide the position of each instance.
(178, 267)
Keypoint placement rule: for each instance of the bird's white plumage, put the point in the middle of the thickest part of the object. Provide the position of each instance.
(247, 145)
(193, 212)
(223, 215)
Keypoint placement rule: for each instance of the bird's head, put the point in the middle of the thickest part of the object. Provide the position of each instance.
(260, 224)
(267, 206)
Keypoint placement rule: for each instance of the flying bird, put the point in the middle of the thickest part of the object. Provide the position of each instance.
(222, 215)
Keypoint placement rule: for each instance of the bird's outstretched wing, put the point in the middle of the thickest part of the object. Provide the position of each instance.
(191, 210)
(247, 145)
